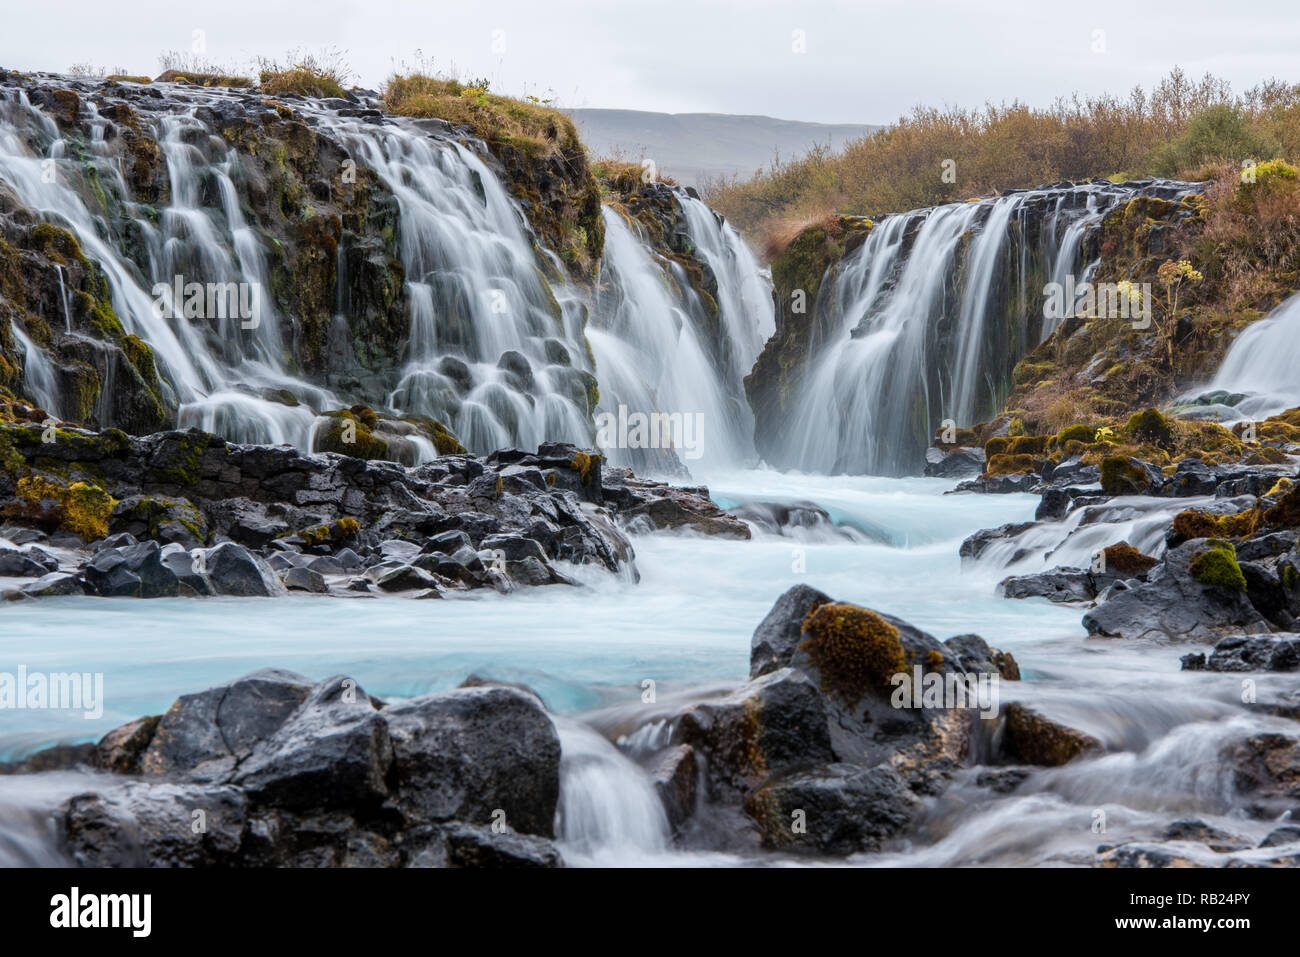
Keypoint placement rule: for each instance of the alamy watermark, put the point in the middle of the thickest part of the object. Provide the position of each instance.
(681, 431)
(949, 690)
(1099, 300)
(55, 691)
(209, 300)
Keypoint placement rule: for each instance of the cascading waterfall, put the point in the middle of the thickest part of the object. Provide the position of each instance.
(492, 351)
(926, 319)
(496, 349)
(1263, 365)
(651, 343)
(39, 379)
(608, 811)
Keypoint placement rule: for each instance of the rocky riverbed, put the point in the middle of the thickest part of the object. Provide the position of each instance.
(185, 513)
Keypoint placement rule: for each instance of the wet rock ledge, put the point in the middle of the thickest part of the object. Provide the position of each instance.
(185, 513)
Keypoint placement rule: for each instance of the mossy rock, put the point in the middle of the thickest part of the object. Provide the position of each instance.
(1218, 567)
(1124, 559)
(348, 433)
(1005, 463)
(338, 532)
(855, 650)
(1119, 476)
(80, 507)
(1193, 523)
(1150, 427)
(1074, 433)
(1286, 511)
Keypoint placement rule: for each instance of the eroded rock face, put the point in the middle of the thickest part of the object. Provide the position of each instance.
(271, 770)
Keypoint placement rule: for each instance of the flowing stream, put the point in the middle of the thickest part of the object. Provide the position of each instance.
(687, 626)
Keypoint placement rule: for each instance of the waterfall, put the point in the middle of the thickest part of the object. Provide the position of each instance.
(651, 341)
(925, 320)
(38, 373)
(1263, 363)
(609, 811)
(499, 346)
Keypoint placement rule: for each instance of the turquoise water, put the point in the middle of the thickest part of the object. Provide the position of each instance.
(687, 622)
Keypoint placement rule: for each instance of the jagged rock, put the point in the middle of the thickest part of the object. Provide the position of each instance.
(205, 735)
(232, 569)
(1174, 604)
(469, 753)
(1030, 738)
(20, 564)
(121, 750)
(780, 632)
(954, 463)
(160, 825)
(1057, 584)
(333, 751)
(55, 584)
(840, 809)
(974, 546)
(305, 579)
(975, 655)
(774, 723)
(470, 846)
(1278, 652)
(675, 773)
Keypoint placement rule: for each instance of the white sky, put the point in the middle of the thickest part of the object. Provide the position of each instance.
(865, 61)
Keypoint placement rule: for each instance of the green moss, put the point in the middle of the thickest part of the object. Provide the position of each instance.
(178, 461)
(855, 650)
(336, 532)
(1074, 433)
(1218, 566)
(57, 244)
(348, 434)
(1150, 427)
(1121, 477)
(1286, 511)
(1005, 463)
(81, 508)
(1194, 523)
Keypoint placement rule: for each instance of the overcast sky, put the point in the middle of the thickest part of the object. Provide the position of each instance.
(861, 62)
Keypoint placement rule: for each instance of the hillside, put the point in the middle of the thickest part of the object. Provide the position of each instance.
(691, 147)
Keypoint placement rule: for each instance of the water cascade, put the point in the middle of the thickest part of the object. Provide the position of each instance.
(490, 335)
(1262, 364)
(925, 320)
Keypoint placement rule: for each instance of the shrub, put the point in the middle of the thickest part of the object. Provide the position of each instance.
(307, 74)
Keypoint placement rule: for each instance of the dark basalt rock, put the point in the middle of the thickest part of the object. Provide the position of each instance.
(465, 754)
(955, 463)
(248, 503)
(784, 742)
(839, 810)
(271, 771)
(1174, 604)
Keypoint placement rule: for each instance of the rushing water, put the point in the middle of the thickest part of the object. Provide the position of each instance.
(923, 321)
(496, 350)
(1264, 363)
(687, 626)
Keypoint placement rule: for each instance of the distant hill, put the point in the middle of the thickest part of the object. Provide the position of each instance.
(692, 146)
